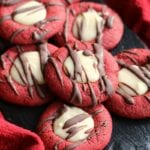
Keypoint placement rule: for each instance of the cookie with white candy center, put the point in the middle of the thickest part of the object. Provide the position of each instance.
(66, 127)
(21, 74)
(85, 20)
(29, 21)
(82, 76)
(132, 98)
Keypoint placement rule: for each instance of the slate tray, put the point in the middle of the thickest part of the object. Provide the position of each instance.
(127, 134)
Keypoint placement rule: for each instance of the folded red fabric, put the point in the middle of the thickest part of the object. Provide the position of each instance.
(13, 137)
(136, 14)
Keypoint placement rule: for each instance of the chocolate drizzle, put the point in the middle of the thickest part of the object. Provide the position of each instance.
(138, 72)
(142, 72)
(9, 2)
(68, 124)
(126, 52)
(110, 21)
(23, 10)
(38, 88)
(55, 115)
(17, 32)
(64, 110)
(74, 130)
(99, 53)
(81, 28)
(147, 98)
(69, 1)
(132, 59)
(66, 25)
(73, 12)
(84, 87)
(103, 79)
(107, 21)
(27, 74)
(104, 82)
(54, 4)
(99, 27)
(134, 91)
(40, 24)
(50, 118)
(26, 69)
(36, 10)
(76, 61)
(129, 52)
(22, 76)
(4, 18)
(97, 112)
(87, 53)
(93, 95)
(128, 99)
(12, 85)
(44, 54)
(54, 63)
(39, 36)
(146, 72)
(88, 131)
(75, 119)
(76, 94)
(147, 66)
(108, 85)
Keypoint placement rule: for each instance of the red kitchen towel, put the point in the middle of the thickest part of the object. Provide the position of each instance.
(13, 137)
(136, 14)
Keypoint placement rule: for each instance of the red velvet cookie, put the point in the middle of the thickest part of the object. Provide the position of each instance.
(132, 98)
(85, 20)
(68, 127)
(81, 75)
(28, 21)
(21, 74)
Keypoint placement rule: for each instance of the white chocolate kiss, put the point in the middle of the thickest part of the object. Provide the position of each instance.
(30, 17)
(85, 25)
(35, 65)
(71, 112)
(88, 63)
(128, 79)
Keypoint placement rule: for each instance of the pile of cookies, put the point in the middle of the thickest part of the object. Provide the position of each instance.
(75, 74)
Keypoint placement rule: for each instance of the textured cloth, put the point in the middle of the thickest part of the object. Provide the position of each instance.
(136, 14)
(13, 137)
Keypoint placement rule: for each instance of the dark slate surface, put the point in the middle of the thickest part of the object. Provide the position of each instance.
(127, 134)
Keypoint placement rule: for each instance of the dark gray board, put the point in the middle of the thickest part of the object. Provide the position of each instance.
(127, 134)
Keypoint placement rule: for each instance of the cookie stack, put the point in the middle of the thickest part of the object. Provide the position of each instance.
(60, 55)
